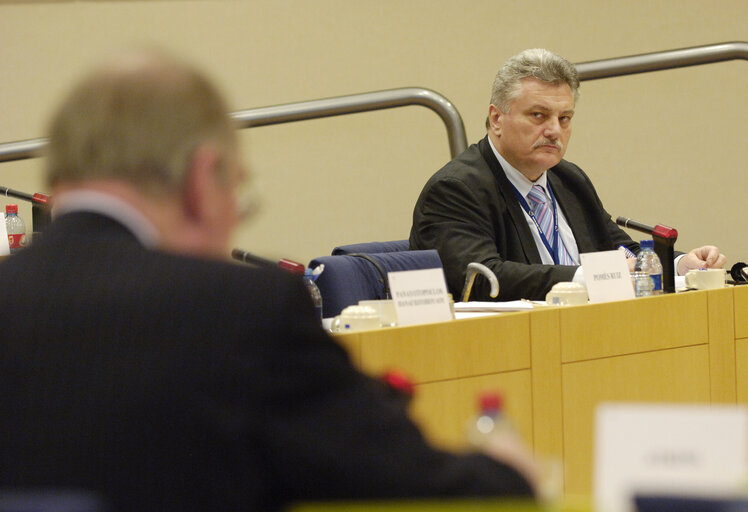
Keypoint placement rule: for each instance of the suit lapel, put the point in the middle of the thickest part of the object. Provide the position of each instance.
(573, 212)
(506, 191)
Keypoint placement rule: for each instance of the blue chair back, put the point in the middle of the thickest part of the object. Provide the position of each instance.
(350, 278)
(372, 247)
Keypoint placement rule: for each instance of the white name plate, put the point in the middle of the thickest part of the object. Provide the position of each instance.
(668, 449)
(420, 296)
(607, 276)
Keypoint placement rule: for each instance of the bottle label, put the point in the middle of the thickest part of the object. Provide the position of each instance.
(16, 241)
(657, 280)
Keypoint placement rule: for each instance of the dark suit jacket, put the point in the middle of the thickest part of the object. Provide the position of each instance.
(468, 212)
(171, 383)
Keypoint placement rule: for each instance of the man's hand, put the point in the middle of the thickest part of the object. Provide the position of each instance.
(707, 256)
(507, 447)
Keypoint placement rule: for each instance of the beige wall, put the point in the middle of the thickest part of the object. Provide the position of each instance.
(662, 147)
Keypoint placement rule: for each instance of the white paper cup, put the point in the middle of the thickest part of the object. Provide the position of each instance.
(705, 279)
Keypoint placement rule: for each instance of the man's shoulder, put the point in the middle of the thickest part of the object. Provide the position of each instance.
(569, 172)
(467, 166)
(223, 274)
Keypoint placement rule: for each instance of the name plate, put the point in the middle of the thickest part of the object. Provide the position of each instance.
(668, 449)
(607, 276)
(420, 296)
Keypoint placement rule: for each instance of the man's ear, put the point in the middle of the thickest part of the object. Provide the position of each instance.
(201, 182)
(494, 119)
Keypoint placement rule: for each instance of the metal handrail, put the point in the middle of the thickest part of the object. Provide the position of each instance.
(392, 98)
(365, 102)
(657, 61)
(313, 109)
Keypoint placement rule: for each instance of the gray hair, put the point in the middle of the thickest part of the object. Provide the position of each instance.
(138, 119)
(534, 63)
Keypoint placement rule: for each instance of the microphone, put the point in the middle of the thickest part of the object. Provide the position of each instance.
(247, 257)
(656, 231)
(739, 272)
(37, 198)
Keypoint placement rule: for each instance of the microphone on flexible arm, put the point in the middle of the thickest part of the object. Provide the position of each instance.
(258, 261)
(664, 238)
(40, 215)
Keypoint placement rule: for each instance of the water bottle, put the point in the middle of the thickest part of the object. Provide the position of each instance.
(15, 227)
(313, 292)
(648, 261)
(489, 421)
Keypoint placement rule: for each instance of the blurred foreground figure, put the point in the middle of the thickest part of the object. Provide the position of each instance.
(139, 365)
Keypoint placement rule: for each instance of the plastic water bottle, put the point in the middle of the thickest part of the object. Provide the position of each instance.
(490, 420)
(15, 227)
(648, 261)
(313, 292)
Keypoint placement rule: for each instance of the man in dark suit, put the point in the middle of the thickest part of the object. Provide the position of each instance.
(512, 203)
(138, 365)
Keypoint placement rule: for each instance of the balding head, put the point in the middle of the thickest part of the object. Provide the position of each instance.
(138, 119)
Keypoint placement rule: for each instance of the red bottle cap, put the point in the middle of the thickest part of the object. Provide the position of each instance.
(11, 208)
(399, 381)
(490, 401)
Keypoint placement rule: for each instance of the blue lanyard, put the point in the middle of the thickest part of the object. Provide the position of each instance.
(552, 248)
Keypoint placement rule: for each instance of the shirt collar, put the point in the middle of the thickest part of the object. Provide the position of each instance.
(108, 206)
(516, 178)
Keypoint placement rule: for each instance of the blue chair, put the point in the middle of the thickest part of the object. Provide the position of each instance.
(349, 278)
(372, 247)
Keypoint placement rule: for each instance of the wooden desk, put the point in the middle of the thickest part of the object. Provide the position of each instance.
(555, 365)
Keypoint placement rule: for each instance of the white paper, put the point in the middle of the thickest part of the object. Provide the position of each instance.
(478, 306)
(5, 244)
(420, 296)
(668, 448)
(607, 276)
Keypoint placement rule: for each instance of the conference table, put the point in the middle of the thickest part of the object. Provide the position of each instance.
(554, 365)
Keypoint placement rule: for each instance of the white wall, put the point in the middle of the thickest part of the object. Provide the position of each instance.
(661, 147)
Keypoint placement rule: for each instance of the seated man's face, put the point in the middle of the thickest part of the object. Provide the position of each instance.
(534, 133)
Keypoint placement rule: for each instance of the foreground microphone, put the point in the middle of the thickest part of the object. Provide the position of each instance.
(664, 240)
(258, 261)
(40, 216)
(40, 199)
(739, 272)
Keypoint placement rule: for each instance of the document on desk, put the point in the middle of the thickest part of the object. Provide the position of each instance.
(495, 307)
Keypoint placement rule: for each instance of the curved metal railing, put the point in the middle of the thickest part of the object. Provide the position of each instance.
(365, 102)
(658, 61)
(313, 109)
(392, 98)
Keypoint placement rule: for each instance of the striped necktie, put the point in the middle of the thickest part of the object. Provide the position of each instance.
(542, 209)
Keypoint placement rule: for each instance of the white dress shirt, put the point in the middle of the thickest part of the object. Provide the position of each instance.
(109, 206)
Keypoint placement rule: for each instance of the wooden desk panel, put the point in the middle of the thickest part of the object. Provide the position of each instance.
(444, 408)
(449, 350)
(741, 377)
(639, 325)
(740, 294)
(674, 375)
(721, 316)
